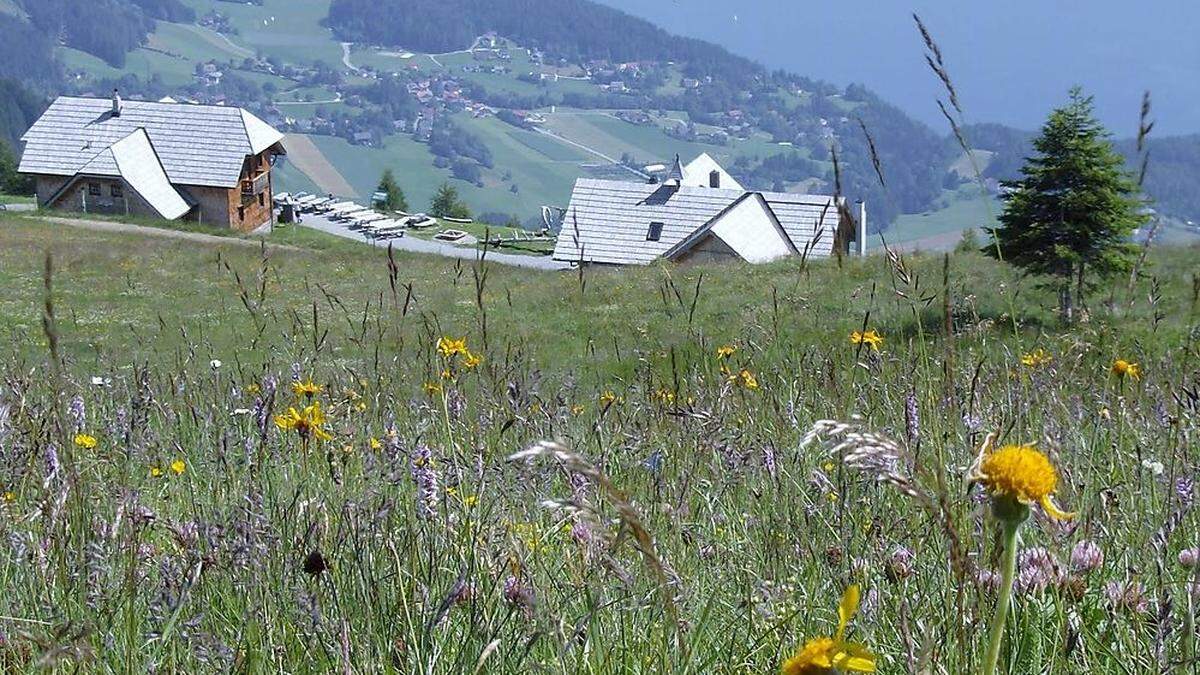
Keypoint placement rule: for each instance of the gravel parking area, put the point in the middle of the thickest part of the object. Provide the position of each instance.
(408, 243)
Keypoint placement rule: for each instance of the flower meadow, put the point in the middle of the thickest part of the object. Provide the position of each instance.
(344, 461)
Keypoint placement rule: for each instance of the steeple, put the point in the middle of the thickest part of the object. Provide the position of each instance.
(675, 175)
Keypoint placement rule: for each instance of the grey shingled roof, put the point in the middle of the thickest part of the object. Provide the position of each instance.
(608, 220)
(197, 144)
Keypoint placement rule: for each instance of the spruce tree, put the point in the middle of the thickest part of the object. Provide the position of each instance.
(447, 204)
(395, 200)
(1071, 215)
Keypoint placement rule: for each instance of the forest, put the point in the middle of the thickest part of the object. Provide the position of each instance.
(108, 29)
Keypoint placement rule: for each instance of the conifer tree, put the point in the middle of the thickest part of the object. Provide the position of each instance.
(446, 203)
(394, 201)
(1071, 215)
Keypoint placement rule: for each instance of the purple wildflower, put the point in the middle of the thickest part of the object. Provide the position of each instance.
(1037, 569)
(78, 413)
(425, 476)
(1086, 557)
(912, 418)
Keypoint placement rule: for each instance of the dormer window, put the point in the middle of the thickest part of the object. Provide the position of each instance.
(714, 179)
(655, 231)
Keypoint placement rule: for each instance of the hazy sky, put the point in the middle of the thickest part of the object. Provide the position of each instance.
(1011, 60)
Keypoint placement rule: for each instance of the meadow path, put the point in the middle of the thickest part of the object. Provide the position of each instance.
(198, 237)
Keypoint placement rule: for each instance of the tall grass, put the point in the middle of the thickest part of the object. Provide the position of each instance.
(677, 521)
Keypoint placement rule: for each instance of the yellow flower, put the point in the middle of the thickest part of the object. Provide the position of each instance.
(155, 472)
(726, 351)
(375, 443)
(307, 422)
(870, 338)
(448, 347)
(825, 655)
(1018, 473)
(85, 441)
(607, 398)
(432, 388)
(306, 389)
(665, 395)
(577, 409)
(1036, 358)
(252, 388)
(744, 378)
(470, 360)
(10, 497)
(178, 466)
(1122, 368)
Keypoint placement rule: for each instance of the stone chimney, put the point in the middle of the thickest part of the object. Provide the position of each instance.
(116, 103)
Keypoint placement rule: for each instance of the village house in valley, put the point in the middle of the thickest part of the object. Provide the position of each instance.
(160, 159)
(698, 213)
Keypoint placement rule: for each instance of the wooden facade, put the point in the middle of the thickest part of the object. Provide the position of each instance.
(245, 208)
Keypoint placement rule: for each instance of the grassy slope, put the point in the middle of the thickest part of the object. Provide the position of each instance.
(283, 28)
(758, 536)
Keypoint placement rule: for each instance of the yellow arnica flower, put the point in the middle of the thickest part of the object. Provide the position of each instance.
(448, 346)
(725, 351)
(85, 441)
(1021, 473)
(432, 388)
(607, 398)
(1036, 358)
(471, 359)
(307, 423)
(825, 655)
(178, 467)
(1122, 368)
(375, 443)
(155, 472)
(870, 338)
(306, 389)
(746, 379)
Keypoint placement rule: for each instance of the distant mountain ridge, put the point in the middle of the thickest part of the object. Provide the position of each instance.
(914, 158)
(577, 30)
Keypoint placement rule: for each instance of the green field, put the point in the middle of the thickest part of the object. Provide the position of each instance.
(283, 28)
(954, 212)
(163, 515)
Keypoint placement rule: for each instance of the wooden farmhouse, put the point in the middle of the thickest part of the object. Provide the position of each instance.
(159, 159)
(699, 213)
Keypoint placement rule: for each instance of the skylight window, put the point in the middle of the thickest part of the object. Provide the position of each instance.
(655, 231)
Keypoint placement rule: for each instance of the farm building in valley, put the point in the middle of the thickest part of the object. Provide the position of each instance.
(698, 213)
(165, 160)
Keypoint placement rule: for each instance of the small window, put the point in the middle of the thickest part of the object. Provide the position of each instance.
(655, 231)
(94, 189)
(241, 213)
(714, 179)
(116, 190)
(261, 201)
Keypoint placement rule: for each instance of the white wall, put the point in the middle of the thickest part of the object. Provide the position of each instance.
(696, 173)
(748, 229)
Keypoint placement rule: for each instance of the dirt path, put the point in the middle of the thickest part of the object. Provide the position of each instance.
(593, 151)
(307, 157)
(219, 40)
(129, 228)
(346, 56)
